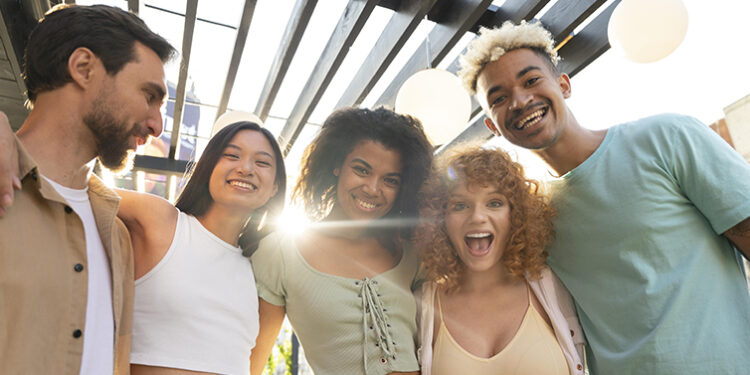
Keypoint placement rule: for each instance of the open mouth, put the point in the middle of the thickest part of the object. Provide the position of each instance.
(243, 185)
(479, 243)
(365, 205)
(531, 119)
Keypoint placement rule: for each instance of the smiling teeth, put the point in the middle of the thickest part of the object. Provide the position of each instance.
(243, 185)
(531, 119)
(478, 235)
(366, 205)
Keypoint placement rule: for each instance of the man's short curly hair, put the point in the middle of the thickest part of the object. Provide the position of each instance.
(493, 43)
(530, 214)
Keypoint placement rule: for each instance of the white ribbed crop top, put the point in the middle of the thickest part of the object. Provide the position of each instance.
(198, 308)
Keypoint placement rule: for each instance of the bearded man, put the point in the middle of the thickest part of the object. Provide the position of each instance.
(95, 79)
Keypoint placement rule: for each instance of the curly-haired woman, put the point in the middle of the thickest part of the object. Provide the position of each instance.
(346, 282)
(489, 304)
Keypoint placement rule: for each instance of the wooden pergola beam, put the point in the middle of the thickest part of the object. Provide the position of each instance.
(191, 14)
(234, 62)
(462, 15)
(295, 28)
(400, 27)
(350, 24)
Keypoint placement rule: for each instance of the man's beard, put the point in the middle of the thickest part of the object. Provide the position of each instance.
(112, 137)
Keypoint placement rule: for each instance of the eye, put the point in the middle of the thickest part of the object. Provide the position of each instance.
(457, 206)
(360, 170)
(264, 163)
(532, 81)
(392, 181)
(495, 203)
(499, 100)
(230, 155)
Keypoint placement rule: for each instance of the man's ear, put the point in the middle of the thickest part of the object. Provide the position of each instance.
(83, 65)
(491, 125)
(564, 81)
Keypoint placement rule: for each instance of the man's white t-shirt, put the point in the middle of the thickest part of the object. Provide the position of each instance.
(98, 333)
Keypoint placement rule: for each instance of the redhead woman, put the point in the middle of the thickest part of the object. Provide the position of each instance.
(490, 305)
(345, 283)
(196, 306)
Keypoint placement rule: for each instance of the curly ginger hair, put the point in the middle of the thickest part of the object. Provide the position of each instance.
(531, 215)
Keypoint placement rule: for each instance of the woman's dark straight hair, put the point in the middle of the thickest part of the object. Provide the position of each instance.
(195, 198)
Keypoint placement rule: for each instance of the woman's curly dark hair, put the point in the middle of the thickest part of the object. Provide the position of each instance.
(341, 132)
(530, 214)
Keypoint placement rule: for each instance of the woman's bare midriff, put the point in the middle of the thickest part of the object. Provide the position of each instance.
(155, 370)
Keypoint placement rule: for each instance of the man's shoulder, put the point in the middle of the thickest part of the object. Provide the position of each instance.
(665, 123)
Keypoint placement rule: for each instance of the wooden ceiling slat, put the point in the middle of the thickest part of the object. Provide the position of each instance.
(6, 71)
(565, 15)
(588, 44)
(295, 28)
(461, 16)
(517, 10)
(400, 27)
(133, 6)
(191, 14)
(346, 31)
(239, 47)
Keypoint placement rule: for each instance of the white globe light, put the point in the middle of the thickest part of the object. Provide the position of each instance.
(438, 100)
(647, 30)
(230, 117)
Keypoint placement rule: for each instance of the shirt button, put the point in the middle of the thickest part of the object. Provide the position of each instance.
(78, 267)
(579, 367)
(572, 333)
(77, 333)
(33, 175)
(68, 209)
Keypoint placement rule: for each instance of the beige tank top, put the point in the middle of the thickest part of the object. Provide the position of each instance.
(534, 350)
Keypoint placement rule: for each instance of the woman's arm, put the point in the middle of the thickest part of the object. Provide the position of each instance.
(271, 318)
(151, 221)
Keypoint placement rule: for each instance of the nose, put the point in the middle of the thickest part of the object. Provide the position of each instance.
(246, 168)
(519, 99)
(155, 123)
(478, 215)
(371, 186)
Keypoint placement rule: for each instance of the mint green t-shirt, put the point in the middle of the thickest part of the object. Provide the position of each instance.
(638, 244)
(346, 326)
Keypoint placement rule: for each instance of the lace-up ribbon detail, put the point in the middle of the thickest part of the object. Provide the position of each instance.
(373, 311)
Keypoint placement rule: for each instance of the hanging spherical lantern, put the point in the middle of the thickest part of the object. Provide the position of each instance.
(438, 100)
(230, 117)
(647, 30)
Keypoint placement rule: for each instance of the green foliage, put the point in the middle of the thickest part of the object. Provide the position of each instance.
(283, 353)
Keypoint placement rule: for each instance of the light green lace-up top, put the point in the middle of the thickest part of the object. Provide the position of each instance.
(346, 326)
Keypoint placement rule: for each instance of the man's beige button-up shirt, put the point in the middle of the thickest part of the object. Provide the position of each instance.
(44, 277)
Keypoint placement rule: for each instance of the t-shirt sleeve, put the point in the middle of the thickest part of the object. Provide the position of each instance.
(270, 270)
(712, 175)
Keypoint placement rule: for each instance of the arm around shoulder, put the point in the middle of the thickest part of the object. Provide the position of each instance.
(151, 221)
(740, 237)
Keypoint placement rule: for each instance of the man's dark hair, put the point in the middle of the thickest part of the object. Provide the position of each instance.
(108, 32)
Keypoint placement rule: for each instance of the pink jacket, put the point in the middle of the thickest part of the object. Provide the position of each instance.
(553, 297)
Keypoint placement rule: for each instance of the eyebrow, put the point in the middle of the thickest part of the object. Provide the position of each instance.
(358, 160)
(158, 90)
(234, 146)
(520, 74)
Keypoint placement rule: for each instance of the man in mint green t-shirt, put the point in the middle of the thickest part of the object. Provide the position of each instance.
(648, 212)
